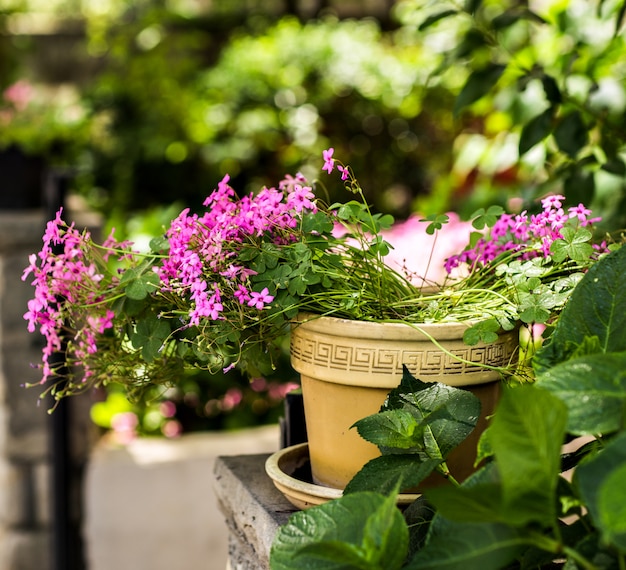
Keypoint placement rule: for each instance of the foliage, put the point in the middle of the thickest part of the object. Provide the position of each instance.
(182, 101)
(198, 401)
(542, 93)
(521, 509)
(219, 290)
(53, 123)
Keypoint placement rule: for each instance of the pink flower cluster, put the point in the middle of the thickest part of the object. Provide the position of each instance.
(531, 234)
(64, 276)
(204, 249)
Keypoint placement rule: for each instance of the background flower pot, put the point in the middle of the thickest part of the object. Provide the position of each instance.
(348, 367)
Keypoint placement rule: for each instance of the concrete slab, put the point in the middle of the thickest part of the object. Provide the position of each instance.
(151, 504)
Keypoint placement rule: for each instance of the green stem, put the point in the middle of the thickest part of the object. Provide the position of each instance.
(557, 547)
(443, 470)
(432, 339)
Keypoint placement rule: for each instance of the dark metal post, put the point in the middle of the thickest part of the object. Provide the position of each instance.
(67, 551)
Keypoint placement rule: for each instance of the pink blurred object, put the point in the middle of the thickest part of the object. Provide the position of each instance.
(19, 94)
(422, 256)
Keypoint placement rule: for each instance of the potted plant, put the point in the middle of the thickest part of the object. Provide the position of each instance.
(536, 503)
(221, 289)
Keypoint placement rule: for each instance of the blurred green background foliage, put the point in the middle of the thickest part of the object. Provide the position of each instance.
(437, 105)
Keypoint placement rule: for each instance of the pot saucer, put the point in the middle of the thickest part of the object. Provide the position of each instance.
(290, 472)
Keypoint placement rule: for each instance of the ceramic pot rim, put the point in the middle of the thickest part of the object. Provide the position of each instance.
(375, 330)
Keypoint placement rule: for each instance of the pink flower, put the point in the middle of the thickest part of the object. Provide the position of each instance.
(259, 300)
(241, 294)
(329, 162)
(345, 173)
(554, 201)
(301, 198)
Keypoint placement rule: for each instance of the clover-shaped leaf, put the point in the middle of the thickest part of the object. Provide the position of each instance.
(486, 218)
(536, 308)
(150, 334)
(484, 331)
(139, 284)
(574, 245)
(437, 221)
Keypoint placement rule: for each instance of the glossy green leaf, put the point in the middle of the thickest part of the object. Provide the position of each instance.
(526, 435)
(612, 507)
(596, 309)
(571, 134)
(536, 130)
(447, 415)
(488, 546)
(601, 483)
(479, 83)
(359, 531)
(594, 390)
(525, 438)
(159, 244)
(392, 428)
(139, 284)
(478, 504)
(383, 473)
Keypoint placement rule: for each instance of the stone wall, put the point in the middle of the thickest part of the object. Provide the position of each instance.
(29, 528)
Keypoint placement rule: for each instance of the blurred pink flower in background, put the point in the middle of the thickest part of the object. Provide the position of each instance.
(421, 255)
(19, 94)
(124, 427)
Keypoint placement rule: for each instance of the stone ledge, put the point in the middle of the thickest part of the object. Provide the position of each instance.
(21, 229)
(253, 507)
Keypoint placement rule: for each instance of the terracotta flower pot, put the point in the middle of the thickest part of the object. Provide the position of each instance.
(347, 368)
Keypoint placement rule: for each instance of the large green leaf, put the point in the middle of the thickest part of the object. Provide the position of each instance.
(445, 415)
(612, 507)
(383, 473)
(601, 484)
(392, 428)
(488, 546)
(597, 308)
(360, 531)
(526, 435)
(594, 390)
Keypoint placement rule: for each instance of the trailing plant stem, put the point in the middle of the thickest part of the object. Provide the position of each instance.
(432, 339)
(557, 547)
